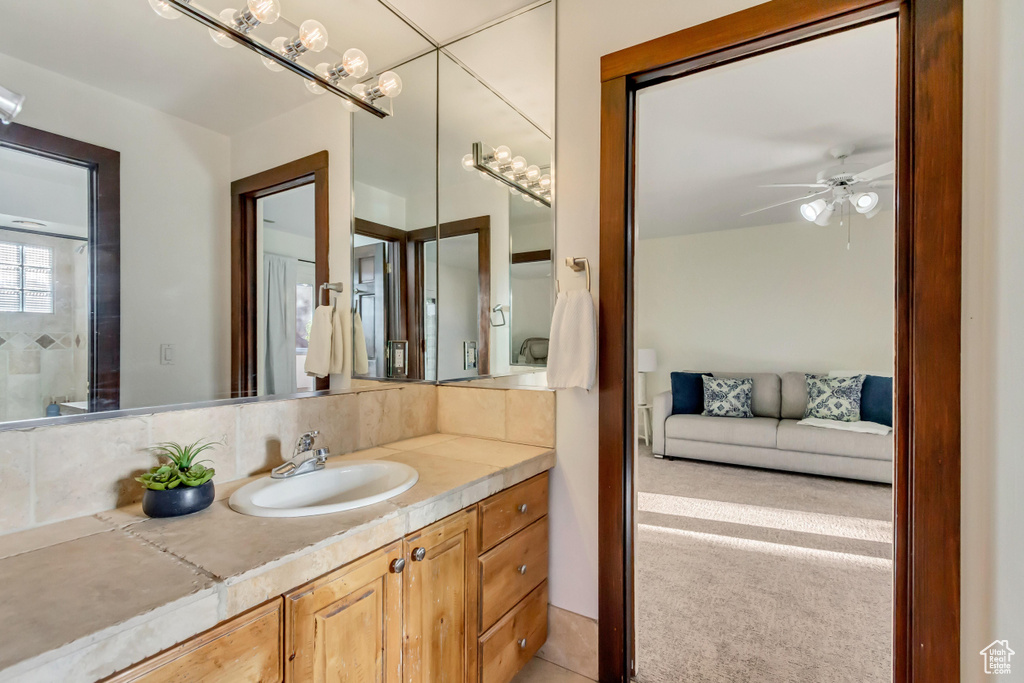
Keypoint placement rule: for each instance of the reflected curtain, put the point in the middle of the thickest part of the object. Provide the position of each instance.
(279, 284)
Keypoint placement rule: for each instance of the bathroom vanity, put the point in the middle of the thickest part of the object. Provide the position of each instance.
(447, 581)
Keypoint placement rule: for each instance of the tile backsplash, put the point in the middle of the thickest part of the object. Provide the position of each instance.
(54, 473)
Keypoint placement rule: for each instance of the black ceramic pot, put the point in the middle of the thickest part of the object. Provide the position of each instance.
(183, 500)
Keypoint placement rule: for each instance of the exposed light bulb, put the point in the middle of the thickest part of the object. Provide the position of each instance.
(537, 202)
(10, 104)
(278, 46)
(265, 11)
(502, 154)
(518, 165)
(164, 9)
(545, 181)
(483, 175)
(314, 87)
(355, 63)
(390, 84)
(313, 35)
(469, 163)
(359, 90)
(227, 17)
(348, 105)
(813, 210)
(513, 190)
(527, 198)
(532, 172)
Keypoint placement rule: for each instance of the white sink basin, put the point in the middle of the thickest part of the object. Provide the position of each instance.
(344, 486)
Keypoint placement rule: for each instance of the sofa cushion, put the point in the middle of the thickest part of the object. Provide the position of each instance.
(796, 437)
(794, 395)
(766, 398)
(739, 431)
(876, 400)
(687, 392)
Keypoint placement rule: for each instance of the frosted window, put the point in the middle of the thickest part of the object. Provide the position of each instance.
(26, 278)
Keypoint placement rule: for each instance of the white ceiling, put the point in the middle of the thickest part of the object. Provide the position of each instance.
(443, 20)
(292, 211)
(41, 190)
(708, 140)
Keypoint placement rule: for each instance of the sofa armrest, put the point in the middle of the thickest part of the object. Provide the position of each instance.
(660, 411)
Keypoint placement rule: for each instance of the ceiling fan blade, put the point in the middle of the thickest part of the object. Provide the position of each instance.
(814, 185)
(788, 201)
(877, 172)
(882, 183)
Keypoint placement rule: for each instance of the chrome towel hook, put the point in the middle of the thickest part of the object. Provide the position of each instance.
(576, 264)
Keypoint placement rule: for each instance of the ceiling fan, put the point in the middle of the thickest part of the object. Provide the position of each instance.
(840, 182)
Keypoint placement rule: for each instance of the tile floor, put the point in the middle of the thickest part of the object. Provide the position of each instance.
(541, 671)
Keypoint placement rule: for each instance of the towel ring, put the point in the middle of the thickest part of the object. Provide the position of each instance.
(576, 264)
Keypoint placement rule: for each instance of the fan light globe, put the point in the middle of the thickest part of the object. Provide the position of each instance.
(164, 9)
(865, 201)
(502, 154)
(390, 84)
(221, 37)
(265, 11)
(313, 35)
(813, 210)
(468, 163)
(355, 63)
(825, 215)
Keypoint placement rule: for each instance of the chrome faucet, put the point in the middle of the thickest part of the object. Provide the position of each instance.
(304, 460)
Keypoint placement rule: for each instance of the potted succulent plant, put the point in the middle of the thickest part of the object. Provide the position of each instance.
(182, 485)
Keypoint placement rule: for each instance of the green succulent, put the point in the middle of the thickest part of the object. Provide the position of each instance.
(183, 468)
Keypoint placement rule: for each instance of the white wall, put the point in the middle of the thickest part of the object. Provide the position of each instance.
(992, 512)
(323, 124)
(773, 298)
(175, 210)
(993, 320)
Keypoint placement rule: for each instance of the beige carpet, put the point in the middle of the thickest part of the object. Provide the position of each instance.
(751, 575)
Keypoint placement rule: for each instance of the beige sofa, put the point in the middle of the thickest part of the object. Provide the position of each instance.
(772, 438)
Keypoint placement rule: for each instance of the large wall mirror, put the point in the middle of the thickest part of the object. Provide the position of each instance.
(169, 218)
(452, 261)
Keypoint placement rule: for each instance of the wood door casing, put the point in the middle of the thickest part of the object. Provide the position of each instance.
(346, 619)
(371, 297)
(441, 602)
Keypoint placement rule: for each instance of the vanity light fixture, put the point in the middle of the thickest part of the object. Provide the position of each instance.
(234, 27)
(516, 173)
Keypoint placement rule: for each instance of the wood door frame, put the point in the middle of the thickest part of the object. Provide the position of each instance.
(104, 167)
(926, 610)
(481, 226)
(407, 321)
(244, 317)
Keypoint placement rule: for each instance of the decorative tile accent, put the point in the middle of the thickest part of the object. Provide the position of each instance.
(2, 342)
(78, 340)
(45, 341)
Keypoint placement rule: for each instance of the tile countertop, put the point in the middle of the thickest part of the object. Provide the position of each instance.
(84, 598)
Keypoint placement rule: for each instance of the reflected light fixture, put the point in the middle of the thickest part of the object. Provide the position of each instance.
(254, 13)
(164, 9)
(312, 38)
(515, 172)
(353, 64)
(10, 104)
(813, 210)
(864, 202)
(389, 84)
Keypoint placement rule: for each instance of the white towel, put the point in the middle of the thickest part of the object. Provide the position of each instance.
(337, 342)
(318, 355)
(360, 363)
(572, 349)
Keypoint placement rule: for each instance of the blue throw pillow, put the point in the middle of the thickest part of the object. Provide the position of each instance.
(688, 392)
(876, 400)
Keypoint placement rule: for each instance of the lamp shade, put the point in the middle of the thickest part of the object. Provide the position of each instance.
(646, 360)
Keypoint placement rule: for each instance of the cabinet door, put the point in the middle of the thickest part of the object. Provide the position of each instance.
(441, 602)
(346, 627)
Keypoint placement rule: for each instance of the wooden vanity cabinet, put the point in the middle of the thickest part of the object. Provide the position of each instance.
(441, 601)
(346, 626)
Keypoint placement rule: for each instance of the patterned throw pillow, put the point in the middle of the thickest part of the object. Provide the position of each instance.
(724, 397)
(834, 398)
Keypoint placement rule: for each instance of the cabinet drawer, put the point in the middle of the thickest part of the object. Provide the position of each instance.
(505, 513)
(246, 649)
(512, 569)
(515, 639)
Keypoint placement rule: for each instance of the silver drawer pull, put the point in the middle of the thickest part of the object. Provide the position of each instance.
(397, 565)
(521, 569)
(522, 509)
(522, 643)
(418, 554)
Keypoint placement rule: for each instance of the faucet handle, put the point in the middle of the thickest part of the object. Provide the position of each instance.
(305, 442)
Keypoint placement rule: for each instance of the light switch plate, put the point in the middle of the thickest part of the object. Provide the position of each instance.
(469, 355)
(167, 354)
